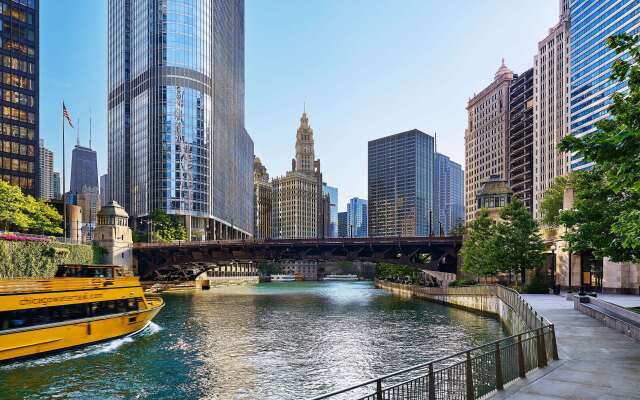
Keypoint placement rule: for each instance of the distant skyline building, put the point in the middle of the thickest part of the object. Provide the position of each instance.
(57, 192)
(343, 217)
(104, 190)
(176, 143)
(19, 123)
(263, 201)
(84, 170)
(297, 196)
(400, 184)
(591, 60)
(332, 192)
(521, 137)
(357, 217)
(46, 172)
(551, 107)
(487, 137)
(448, 194)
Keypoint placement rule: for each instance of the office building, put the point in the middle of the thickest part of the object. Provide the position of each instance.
(592, 23)
(175, 143)
(332, 193)
(46, 172)
(297, 196)
(84, 170)
(400, 175)
(19, 63)
(521, 138)
(487, 137)
(357, 218)
(57, 192)
(343, 217)
(263, 201)
(104, 190)
(551, 108)
(448, 195)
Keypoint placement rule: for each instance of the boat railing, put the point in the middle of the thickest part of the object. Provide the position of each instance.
(469, 374)
(28, 285)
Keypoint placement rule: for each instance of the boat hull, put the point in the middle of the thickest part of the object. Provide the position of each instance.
(46, 339)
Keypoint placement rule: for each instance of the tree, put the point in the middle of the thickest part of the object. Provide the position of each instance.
(552, 201)
(25, 213)
(167, 227)
(479, 246)
(43, 218)
(519, 245)
(615, 149)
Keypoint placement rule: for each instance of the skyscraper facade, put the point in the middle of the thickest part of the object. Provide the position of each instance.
(19, 63)
(175, 143)
(263, 201)
(332, 193)
(448, 195)
(551, 107)
(400, 186)
(521, 137)
(342, 224)
(46, 172)
(592, 23)
(84, 170)
(104, 190)
(357, 218)
(57, 191)
(487, 137)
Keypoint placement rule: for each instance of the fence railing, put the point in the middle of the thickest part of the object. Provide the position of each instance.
(470, 374)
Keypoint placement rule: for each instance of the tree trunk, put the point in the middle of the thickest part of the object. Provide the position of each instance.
(523, 275)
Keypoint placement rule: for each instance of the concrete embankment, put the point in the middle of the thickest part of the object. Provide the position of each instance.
(506, 305)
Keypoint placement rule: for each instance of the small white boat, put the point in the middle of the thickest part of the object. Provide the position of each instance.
(282, 278)
(341, 277)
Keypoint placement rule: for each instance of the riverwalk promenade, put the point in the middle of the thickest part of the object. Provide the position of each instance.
(596, 362)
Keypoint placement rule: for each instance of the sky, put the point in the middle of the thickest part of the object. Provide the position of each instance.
(364, 68)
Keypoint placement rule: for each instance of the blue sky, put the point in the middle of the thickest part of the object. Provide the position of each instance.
(365, 69)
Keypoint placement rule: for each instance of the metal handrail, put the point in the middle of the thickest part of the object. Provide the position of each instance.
(536, 355)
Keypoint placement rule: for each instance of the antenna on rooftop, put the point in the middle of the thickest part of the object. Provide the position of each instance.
(89, 128)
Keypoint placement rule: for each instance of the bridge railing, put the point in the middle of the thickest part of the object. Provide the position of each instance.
(469, 374)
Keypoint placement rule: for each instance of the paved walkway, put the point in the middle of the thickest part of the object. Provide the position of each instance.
(596, 362)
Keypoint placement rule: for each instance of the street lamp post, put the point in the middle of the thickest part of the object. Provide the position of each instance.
(556, 289)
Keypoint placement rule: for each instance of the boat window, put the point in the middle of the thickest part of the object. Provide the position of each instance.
(48, 315)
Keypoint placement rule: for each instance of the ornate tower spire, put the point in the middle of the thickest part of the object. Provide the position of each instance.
(305, 153)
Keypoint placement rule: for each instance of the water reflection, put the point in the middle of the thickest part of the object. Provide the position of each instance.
(272, 341)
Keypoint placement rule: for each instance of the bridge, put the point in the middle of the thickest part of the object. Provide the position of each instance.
(434, 253)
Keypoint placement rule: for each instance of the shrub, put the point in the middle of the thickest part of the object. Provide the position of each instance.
(462, 282)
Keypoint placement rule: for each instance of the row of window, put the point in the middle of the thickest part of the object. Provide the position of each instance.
(49, 315)
(12, 45)
(17, 131)
(19, 65)
(14, 164)
(16, 148)
(16, 31)
(21, 181)
(17, 81)
(16, 14)
(12, 96)
(18, 115)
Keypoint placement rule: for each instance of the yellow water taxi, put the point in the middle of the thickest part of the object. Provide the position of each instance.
(83, 304)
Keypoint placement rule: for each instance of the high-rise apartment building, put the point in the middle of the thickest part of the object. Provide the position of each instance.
(84, 170)
(551, 107)
(357, 217)
(448, 195)
(176, 143)
(521, 137)
(263, 201)
(343, 217)
(46, 172)
(297, 196)
(104, 190)
(57, 192)
(592, 23)
(400, 174)
(332, 193)
(19, 63)
(487, 137)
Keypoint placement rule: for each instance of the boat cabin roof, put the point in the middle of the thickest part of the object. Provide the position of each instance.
(89, 271)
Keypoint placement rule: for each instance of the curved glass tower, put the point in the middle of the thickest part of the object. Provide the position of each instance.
(176, 113)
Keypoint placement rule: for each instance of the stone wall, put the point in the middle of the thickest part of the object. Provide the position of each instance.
(515, 314)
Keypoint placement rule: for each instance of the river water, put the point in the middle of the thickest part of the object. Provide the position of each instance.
(270, 341)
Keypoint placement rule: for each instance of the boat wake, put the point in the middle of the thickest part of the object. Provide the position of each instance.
(91, 350)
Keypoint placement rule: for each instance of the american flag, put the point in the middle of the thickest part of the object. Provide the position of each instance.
(65, 113)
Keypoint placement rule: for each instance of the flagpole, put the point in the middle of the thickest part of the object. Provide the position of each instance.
(64, 181)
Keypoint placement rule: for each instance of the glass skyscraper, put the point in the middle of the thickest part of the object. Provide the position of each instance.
(332, 192)
(19, 60)
(592, 23)
(357, 217)
(177, 140)
(448, 194)
(400, 184)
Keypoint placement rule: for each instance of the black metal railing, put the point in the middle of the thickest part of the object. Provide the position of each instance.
(470, 374)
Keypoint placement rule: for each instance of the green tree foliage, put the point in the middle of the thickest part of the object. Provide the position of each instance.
(167, 227)
(551, 204)
(518, 245)
(397, 273)
(615, 148)
(24, 213)
(479, 247)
